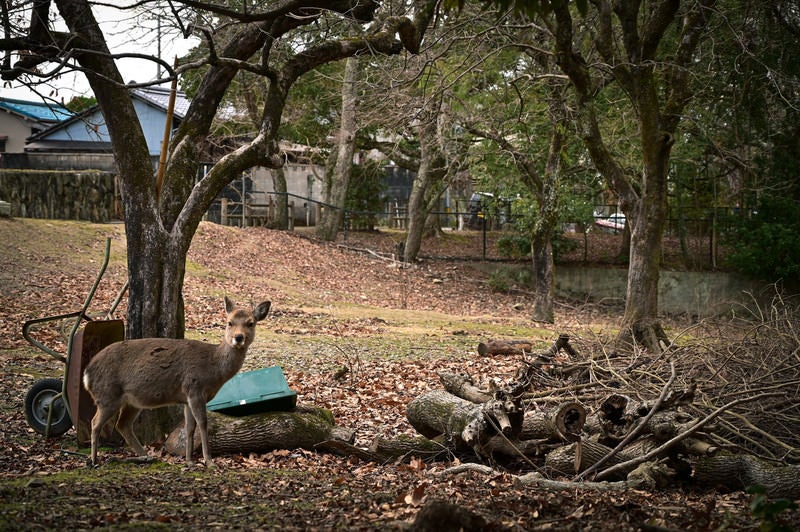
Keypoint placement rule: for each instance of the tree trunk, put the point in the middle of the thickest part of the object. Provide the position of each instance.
(658, 93)
(547, 195)
(339, 181)
(431, 173)
(160, 224)
(640, 322)
(542, 256)
(281, 220)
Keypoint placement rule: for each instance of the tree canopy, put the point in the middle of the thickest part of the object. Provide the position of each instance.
(672, 109)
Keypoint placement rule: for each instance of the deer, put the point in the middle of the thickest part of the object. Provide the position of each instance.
(129, 376)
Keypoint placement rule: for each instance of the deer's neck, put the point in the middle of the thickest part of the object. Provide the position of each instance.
(230, 359)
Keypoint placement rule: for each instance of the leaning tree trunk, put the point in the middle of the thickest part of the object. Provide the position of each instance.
(328, 226)
(431, 171)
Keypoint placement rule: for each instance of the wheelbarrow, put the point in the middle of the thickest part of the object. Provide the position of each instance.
(53, 406)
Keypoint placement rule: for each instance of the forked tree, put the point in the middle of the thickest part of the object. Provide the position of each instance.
(648, 49)
(161, 221)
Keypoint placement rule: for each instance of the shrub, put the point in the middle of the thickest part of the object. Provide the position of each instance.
(767, 245)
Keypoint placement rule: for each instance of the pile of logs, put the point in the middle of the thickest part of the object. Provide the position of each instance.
(566, 417)
(608, 422)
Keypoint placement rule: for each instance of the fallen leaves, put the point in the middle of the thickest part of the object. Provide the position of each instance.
(288, 488)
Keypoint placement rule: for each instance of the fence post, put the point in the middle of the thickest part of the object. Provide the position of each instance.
(291, 215)
(223, 211)
(484, 235)
(271, 209)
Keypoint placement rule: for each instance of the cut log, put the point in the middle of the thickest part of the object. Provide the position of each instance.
(500, 445)
(668, 424)
(564, 422)
(303, 427)
(537, 481)
(404, 447)
(505, 347)
(732, 472)
(466, 424)
(575, 457)
(461, 385)
(539, 372)
(439, 413)
(617, 415)
(652, 475)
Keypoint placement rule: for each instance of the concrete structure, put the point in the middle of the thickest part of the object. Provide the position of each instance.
(694, 293)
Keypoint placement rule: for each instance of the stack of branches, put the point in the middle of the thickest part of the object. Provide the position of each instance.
(721, 412)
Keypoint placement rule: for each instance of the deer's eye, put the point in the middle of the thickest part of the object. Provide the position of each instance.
(250, 323)
(230, 324)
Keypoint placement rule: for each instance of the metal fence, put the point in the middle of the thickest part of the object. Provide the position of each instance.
(695, 241)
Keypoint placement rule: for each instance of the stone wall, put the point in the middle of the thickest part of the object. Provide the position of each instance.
(694, 293)
(77, 195)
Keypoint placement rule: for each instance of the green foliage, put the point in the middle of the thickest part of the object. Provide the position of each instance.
(366, 192)
(517, 246)
(504, 279)
(514, 245)
(80, 103)
(530, 8)
(767, 245)
(768, 511)
(499, 281)
(562, 245)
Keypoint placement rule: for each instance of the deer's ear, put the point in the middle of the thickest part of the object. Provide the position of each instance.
(228, 305)
(261, 311)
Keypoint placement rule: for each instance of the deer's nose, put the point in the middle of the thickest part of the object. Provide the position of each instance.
(238, 339)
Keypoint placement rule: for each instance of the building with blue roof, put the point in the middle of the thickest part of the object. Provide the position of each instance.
(84, 137)
(19, 119)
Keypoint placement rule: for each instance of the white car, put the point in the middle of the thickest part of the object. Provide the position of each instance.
(615, 222)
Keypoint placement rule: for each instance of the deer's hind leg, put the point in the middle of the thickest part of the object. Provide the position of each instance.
(100, 418)
(127, 415)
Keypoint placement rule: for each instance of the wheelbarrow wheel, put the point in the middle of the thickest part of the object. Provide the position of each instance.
(38, 402)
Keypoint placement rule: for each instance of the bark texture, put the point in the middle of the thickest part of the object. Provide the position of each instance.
(653, 71)
(304, 427)
(337, 181)
(427, 185)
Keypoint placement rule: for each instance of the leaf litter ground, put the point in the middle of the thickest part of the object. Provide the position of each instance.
(385, 331)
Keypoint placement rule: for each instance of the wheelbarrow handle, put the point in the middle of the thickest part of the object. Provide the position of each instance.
(30, 323)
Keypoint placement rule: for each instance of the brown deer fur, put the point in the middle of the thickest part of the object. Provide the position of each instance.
(132, 375)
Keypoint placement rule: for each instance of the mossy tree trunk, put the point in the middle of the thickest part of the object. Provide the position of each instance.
(650, 55)
(304, 427)
(160, 224)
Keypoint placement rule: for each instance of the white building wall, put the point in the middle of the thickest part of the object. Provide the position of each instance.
(17, 129)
